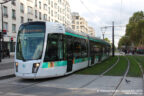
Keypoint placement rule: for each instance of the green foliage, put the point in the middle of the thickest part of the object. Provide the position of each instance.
(124, 41)
(107, 40)
(134, 30)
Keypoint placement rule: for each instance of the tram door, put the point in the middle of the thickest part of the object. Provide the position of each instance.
(92, 60)
(69, 55)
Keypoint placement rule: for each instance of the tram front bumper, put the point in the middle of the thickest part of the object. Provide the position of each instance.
(26, 75)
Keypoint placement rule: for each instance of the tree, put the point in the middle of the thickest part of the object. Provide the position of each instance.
(134, 30)
(124, 41)
(107, 40)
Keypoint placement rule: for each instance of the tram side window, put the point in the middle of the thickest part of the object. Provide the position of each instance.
(77, 47)
(69, 45)
(54, 49)
(83, 48)
(92, 48)
(96, 48)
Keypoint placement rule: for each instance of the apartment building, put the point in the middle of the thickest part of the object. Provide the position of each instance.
(20, 11)
(91, 31)
(79, 24)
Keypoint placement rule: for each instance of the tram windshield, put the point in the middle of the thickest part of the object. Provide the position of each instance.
(30, 41)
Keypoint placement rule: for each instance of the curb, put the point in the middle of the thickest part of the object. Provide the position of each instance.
(6, 62)
(7, 76)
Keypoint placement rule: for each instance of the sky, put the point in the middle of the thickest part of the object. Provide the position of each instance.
(101, 13)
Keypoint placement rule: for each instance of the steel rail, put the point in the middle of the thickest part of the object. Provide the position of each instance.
(101, 75)
(122, 79)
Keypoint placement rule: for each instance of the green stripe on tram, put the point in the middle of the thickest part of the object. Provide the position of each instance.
(79, 36)
(61, 63)
(56, 64)
(80, 60)
(75, 35)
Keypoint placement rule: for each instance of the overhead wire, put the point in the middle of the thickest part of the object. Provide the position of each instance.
(86, 7)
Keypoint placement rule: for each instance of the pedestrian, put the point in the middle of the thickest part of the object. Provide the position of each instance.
(125, 51)
(8, 53)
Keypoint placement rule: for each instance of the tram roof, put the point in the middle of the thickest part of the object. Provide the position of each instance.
(69, 30)
(87, 36)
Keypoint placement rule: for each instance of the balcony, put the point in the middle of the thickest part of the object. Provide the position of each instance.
(14, 17)
(13, 3)
(22, 11)
(5, 15)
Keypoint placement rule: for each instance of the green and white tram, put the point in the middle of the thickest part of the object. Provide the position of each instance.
(46, 49)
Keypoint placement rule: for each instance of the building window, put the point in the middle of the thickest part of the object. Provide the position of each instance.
(40, 15)
(39, 4)
(77, 17)
(22, 19)
(77, 27)
(5, 11)
(35, 13)
(45, 6)
(5, 26)
(13, 2)
(14, 28)
(30, 10)
(51, 12)
(73, 27)
(55, 5)
(35, 3)
(29, 20)
(13, 14)
(49, 2)
(77, 22)
(73, 22)
(22, 7)
(45, 16)
(52, 4)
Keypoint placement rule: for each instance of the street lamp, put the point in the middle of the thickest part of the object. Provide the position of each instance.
(1, 3)
(103, 30)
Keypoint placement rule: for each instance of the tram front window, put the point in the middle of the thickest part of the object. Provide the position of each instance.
(30, 41)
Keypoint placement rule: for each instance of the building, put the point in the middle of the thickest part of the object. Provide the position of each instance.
(91, 31)
(20, 11)
(79, 24)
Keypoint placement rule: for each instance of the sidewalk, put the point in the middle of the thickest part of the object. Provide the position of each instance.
(7, 67)
(7, 60)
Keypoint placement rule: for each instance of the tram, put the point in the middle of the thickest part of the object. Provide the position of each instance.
(46, 49)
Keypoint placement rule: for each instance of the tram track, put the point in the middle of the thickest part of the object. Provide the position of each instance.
(122, 79)
(101, 75)
(142, 71)
(45, 80)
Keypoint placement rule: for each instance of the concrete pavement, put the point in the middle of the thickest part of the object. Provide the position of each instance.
(70, 86)
(7, 60)
(7, 67)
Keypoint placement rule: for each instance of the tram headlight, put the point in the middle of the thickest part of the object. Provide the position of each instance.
(16, 66)
(35, 67)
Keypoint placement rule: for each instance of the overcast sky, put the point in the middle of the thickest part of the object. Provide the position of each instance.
(100, 13)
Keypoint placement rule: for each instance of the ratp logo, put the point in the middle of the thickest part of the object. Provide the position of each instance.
(23, 65)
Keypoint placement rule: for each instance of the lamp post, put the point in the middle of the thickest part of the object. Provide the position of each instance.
(1, 3)
(113, 48)
(103, 29)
